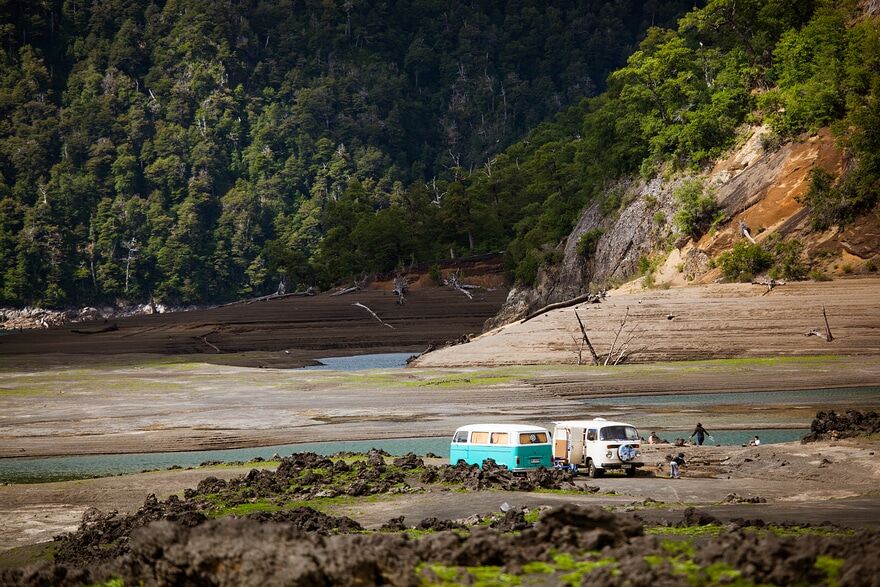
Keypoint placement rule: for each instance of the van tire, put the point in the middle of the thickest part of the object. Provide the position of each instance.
(631, 472)
(594, 471)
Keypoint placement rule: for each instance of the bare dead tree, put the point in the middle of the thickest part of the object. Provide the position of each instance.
(437, 198)
(586, 340)
(376, 316)
(616, 336)
(401, 286)
(578, 349)
(744, 230)
(826, 336)
(358, 285)
(770, 283)
(455, 283)
(132, 248)
(616, 353)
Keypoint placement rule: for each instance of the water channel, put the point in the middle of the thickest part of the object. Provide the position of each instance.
(22, 470)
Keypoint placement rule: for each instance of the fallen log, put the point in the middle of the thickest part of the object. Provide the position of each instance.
(108, 328)
(592, 298)
(770, 283)
(376, 316)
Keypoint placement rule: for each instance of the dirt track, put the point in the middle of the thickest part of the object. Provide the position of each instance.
(701, 322)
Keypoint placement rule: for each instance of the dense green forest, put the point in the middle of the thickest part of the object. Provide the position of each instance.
(195, 150)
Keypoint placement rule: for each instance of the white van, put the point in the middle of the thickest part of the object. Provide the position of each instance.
(597, 445)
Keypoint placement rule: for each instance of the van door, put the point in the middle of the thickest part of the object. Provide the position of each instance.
(576, 447)
(560, 443)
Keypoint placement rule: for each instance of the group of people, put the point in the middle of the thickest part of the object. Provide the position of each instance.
(699, 435)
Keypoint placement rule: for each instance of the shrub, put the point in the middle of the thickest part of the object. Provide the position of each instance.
(838, 202)
(870, 265)
(819, 275)
(697, 209)
(787, 258)
(744, 261)
(588, 242)
(435, 274)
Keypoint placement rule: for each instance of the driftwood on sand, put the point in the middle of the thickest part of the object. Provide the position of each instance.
(590, 297)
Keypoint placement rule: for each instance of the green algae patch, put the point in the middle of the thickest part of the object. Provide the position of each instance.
(831, 567)
(688, 531)
(562, 570)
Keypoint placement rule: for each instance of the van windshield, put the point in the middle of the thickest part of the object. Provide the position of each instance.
(618, 433)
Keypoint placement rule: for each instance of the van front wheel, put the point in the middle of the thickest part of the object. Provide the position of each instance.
(593, 471)
(631, 472)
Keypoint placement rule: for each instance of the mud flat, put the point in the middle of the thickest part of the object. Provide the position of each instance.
(288, 332)
(169, 404)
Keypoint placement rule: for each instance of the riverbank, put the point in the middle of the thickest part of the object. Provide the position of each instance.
(172, 404)
(819, 482)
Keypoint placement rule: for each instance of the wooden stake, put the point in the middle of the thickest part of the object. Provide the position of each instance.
(828, 337)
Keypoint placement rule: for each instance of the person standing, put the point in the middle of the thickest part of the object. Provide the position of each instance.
(700, 433)
(675, 466)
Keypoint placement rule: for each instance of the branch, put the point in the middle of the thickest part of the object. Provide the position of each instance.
(382, 322)
(587, 339)
(205, 340)
(828, 336)
(592, 298)
(616, 336)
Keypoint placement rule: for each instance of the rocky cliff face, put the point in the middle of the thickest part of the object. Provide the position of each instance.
(757, 187)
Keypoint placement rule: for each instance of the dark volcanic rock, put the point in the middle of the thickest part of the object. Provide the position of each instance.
(831, 425)
(409, 461)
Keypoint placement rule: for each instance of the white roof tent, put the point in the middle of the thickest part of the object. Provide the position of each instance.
(502, 428)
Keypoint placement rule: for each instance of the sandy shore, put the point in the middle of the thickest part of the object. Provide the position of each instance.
(699, 322)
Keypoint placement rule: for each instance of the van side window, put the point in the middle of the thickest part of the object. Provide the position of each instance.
(500, 438)
(460, 436)
(479, 438)
(533, 438)
(591, 435)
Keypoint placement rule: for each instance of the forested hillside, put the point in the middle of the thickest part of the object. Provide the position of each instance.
(191, 150)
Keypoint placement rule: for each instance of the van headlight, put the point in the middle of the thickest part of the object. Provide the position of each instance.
(609, 455)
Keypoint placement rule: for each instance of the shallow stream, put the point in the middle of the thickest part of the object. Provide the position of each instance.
(40, 470)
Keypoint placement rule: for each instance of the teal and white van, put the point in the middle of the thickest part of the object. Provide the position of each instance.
(515, 446)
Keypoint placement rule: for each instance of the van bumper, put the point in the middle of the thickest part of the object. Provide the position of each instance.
(621, 465)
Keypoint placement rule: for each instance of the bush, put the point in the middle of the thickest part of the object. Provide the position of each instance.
(834, 202)
(588, 242)
(435, 275)
(819, 275)
(744, 261)
(787, 258)
(697, 209)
